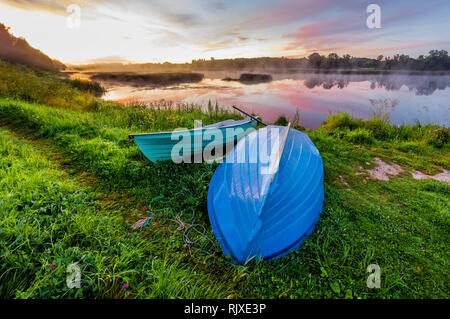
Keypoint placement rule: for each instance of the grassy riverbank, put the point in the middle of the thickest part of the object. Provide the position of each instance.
(72, 184)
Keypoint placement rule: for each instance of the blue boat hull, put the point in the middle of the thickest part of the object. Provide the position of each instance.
(256, 213)
(186, 145)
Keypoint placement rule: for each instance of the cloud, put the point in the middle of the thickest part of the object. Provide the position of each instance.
(168, 38)
(413, 45)
(329, 35)
(248, 28)
(108, 59)
(182, 19)
(175, 13)
(218, 45)
(236, 39)
(55, 7)
(348, 32)
(219, 5)
(164, 10)
(288, 11)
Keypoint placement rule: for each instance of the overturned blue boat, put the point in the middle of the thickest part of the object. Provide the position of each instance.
(188, 145)
(266, 196)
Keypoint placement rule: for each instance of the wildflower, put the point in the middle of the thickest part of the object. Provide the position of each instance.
(126, 286)
(52, 265)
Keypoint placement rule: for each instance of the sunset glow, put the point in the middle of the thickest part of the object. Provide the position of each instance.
(179, 31)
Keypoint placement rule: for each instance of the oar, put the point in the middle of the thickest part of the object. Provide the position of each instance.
(253, 117)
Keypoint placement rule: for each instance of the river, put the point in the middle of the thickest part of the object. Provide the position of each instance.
(405, 98)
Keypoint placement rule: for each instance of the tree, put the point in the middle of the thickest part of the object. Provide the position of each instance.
(333, 60)
(315, 60)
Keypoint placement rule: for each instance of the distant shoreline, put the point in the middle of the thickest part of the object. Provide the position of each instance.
(372, 71)
(185, 74)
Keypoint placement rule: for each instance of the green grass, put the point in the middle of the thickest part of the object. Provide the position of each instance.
(44, 87)
(46, 218)
(72, 184)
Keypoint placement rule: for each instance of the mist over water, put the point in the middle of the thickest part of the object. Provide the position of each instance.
(407, 98)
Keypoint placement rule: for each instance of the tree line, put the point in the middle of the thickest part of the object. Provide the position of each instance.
(436, 60)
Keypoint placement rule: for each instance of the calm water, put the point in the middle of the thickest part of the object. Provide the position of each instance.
(408, 99)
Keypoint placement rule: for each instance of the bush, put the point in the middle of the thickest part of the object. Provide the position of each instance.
(380, 128)
(406, 132)
(87, 86)
(359, 136)
(282, 121)
(340, 121)
(439, 137)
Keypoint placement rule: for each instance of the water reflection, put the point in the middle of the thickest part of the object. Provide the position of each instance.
(407, 99)
(421, 85)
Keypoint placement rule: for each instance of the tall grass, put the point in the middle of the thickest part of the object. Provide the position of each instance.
(43, 87)
(107, 151)
(45, 219)
(379, 128)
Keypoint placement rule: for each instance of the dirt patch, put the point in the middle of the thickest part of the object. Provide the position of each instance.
(383, 170)
(442, 177)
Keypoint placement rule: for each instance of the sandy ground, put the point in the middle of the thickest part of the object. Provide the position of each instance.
(383, 171)
(443, 176)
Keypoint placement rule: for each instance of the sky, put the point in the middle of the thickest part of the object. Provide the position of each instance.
(182, 30)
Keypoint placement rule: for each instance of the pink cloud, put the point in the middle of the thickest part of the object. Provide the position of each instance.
(413, 45)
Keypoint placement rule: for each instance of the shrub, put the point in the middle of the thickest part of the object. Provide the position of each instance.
(359, 136)
(406, 132)
(93, 105)
(380, 128)
(87, 86)
(282, 121)
(439, 137)
(340, 121)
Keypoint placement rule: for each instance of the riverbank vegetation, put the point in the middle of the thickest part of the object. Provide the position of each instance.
(72, 184)
(51, 88)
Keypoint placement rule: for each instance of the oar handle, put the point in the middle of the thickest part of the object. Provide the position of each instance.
(253, 117)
